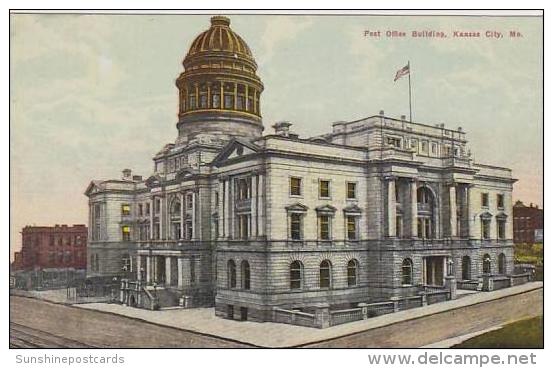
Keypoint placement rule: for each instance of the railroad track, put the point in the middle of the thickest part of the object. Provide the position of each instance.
(24, 337)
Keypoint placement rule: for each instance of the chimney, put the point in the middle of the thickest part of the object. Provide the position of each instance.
(282, 128)
(402, 117)
(381, 113)
(127, 174)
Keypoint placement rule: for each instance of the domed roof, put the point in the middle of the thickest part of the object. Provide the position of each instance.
(219, 38)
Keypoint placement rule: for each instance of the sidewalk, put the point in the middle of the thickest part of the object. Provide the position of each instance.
(268, 334)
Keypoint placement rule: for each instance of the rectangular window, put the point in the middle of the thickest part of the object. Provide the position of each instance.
(189, 201)
(126, 231)
(229, 101)
(352, 227)
(399, 227)
(393, 141)
(434, 148)
(324, 189)
(147, 209)
(140, 210)
(485, 228)
(295, 186)
(243, 226)
(414, 144)
(157, 205)
(500, 229)
(192, 102)
(424, 147)
(500, 201)
(188, 230)
(351, 189)
(324, 227)
(216, 199)
(485, 200)
(243, 189)
(295, 226)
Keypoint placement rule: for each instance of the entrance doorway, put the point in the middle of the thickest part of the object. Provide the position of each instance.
(434, 270)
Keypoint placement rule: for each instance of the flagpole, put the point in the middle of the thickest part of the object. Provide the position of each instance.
(410, 109)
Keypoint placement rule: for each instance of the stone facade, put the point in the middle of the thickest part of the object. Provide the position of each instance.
(378, 208)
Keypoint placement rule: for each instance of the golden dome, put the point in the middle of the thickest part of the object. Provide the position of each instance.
(219, 37)
(219, 81)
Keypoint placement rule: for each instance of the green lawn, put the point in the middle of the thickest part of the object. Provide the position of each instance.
(527, 333)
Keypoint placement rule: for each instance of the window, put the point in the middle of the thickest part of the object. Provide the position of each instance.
(324, 188)
(399, 226)
(352, 272)
(175, 208)
(140, 210)
(296, 275)
(231, 274)
(216, 199)
(501, 263)
(243, 189)
(188, 230)
(434, 148)
(485, 200)
(125, 209)
(351, 222)
(485, 228)
(324, 274)
(126, 231)
(424, 147)
(189, 200)
(192, 102)
(407, 272)
(393, 141)
(466, 268)
(414, 144)
(500, 229)
(147, 209)
(500, 201)
(157, 205)
(296, 226)
(324, 227)
(424, 227)
(215, 101)
(245, 275)
(229, 101)
(351, 189)
(295, 186)
(243, 226)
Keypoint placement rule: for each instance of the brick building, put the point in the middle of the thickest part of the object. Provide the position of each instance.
(376, 209)
(51, 252)
(527, 223)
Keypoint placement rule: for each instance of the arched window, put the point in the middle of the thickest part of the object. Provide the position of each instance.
(486, 264)
(325, 271)
(245, 271)
(407, 272)
(296, 268)
(466, 268)
(231, 274)
(501, 263)
(352, 272)
(175, 207)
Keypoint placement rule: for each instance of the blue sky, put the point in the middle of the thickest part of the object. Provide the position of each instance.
(93, 94)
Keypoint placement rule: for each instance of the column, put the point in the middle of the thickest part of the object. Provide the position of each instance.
(152, 218)
(253, 203)
(232, 188)
(148, 269)
(221, 208)
(180, 267)
(182, 218)
(139, 267)
(226, 223)
(453, 210)
(391, 206)
(472, 227)
(413, 190)
(261, 215)
(194, 214)
(167, 271)
(199, 206)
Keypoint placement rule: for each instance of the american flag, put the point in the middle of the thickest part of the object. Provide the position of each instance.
(403, 71)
